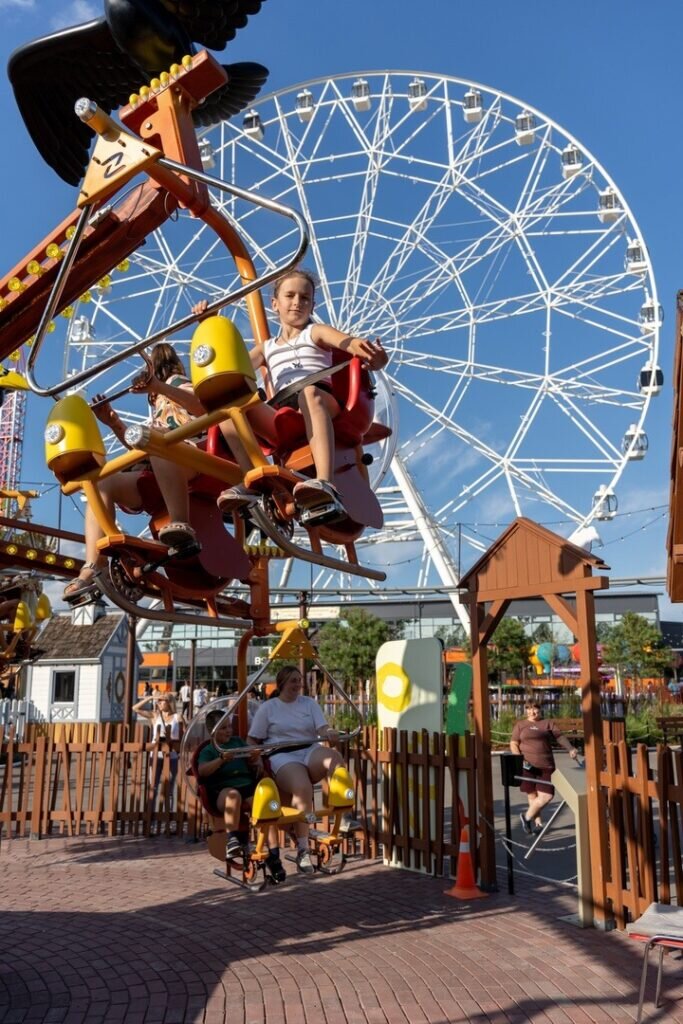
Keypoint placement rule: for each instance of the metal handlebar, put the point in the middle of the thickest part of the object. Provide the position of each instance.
(266, 749)
(179, 325)
(124, 391)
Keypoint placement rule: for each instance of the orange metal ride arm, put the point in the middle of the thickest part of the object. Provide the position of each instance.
(163, 119)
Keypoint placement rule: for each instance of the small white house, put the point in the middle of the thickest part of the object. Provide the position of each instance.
(80, 673)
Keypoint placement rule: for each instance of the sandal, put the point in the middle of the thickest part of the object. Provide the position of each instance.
(80, 586)
(178, 535)
(236, 497)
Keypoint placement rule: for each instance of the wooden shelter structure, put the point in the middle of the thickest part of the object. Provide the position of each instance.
(674, 540)
(529, 561)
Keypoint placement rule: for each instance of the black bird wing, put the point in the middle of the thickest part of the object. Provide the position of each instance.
(243, 85)
(49, 74)
(213, 23)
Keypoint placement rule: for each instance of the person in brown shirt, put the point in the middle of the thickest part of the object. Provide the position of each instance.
(532, 738)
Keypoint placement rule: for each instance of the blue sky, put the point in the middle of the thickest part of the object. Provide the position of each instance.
(607, 72)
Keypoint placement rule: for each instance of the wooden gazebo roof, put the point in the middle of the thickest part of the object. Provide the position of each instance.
(528, 561)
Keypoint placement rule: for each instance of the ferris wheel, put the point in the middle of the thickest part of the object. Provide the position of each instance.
(496, 259)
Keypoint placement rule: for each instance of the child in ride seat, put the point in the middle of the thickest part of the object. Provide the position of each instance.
(173, 403)
(301, 348)
(229, 780)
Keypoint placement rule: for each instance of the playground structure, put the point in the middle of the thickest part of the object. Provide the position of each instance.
(529, 561)
(674, 540)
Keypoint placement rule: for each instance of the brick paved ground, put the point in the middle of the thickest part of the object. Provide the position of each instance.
(142, 932)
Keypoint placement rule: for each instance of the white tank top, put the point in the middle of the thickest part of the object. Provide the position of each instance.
(291, 361)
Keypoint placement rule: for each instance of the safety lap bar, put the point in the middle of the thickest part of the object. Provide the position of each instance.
(179, 325)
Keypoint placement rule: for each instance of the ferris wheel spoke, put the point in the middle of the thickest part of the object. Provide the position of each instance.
(303, 202)
(437, 416)
(526, 422)
(426, 216)
(588, 428)
(365, 212)
(484, 258)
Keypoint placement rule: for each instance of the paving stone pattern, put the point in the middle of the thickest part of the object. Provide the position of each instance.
(142, 932)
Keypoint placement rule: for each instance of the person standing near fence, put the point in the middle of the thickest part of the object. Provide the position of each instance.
(185, 698)
(532, 738)
(200, 698)
(167, 732)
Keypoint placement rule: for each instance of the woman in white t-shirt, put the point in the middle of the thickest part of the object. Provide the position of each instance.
(289, 716)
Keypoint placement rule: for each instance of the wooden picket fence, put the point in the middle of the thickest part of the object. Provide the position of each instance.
(409, 793)
(643, 843)
(97, 785)
(96, 781)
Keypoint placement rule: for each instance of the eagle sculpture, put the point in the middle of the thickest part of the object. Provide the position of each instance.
(111, 57)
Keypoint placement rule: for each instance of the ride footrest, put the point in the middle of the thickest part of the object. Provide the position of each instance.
(319, 515)
(318, 833)
(173, 554)
(154, 552)
(87, 595)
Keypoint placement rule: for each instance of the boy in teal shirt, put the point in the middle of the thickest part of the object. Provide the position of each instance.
(229, 780)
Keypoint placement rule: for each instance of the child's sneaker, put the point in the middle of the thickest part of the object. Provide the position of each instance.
(235, 498)
(276, 868)
(349, 825)
(308, 493)
(304, 862)
(233, 847)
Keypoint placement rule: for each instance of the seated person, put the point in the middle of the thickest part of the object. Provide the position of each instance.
(173, 403)
(301, 348)
(290, 716)
(229, 780)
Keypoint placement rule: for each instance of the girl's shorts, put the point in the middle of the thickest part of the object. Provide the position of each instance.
(303, 756)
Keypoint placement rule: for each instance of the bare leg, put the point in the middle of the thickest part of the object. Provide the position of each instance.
(230, 802)
(122, 489)
(322, 763)
(319, 409)
(261, 419)
(537, 801)
(173, 481)
(293, 780)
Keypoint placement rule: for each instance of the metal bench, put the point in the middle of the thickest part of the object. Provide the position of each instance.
(661, 925)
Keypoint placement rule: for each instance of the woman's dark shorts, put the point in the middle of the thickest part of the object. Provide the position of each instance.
(246, 792)
(537, 780)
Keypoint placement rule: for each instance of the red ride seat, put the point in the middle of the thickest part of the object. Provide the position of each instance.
(353, 390)
(204, 484)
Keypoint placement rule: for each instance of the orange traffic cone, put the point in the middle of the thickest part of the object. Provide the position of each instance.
(465, 887)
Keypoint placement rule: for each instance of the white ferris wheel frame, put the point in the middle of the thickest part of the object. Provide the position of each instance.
(407, 515)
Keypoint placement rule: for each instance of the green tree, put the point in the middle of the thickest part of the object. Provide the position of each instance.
(602, 631)
(509, 649)
(634, 647)
(348, 645)
(453, 635)
(543, 634)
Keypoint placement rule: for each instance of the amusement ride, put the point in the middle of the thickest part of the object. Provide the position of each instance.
(492, 254)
